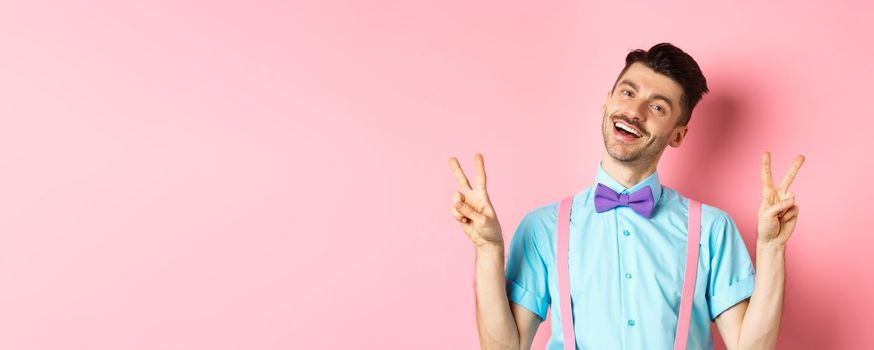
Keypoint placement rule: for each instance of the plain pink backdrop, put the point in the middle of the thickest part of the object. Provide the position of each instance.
(273, 175)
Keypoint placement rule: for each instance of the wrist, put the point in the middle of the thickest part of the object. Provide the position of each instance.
(763, 246)
(490, 248)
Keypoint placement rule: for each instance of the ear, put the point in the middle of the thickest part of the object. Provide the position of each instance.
(679, 134)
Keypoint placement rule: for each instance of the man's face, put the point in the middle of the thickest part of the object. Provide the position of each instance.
(648, 103)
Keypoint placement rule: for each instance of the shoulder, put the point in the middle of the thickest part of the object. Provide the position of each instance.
(546, 214)
(717, 221)
(709, 213)
(713, 219)
(540, 222)
(541, 218)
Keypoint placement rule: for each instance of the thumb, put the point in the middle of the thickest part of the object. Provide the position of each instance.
(780, 206)
(468, 211)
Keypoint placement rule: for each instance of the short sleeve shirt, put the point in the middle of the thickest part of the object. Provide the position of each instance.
(626, 271)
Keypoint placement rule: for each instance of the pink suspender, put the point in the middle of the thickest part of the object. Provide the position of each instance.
(564, 302)
(691, 275)
(563, 225)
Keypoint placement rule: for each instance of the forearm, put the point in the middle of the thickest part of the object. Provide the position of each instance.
(761, 323)
(497, 327)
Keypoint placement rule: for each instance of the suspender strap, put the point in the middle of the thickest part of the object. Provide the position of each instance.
(685, 314)
(561, 256)
(564, 287)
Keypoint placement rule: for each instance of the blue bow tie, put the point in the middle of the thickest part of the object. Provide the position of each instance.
(641, 201)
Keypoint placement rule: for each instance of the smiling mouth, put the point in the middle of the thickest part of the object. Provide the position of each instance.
(626, 130)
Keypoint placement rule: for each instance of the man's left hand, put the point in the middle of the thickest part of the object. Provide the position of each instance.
(778, 212)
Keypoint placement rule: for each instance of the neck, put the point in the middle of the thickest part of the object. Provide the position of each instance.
(628, 173)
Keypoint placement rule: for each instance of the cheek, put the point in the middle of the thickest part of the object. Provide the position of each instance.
(658, 130)
(668, 133)
(610, 110)
(616, 107)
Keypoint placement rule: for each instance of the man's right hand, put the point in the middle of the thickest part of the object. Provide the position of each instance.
(472, 208)
(501, 324)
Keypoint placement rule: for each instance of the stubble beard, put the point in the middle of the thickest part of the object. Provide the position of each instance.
(627, 153)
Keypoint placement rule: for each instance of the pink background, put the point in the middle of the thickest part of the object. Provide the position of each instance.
(273, 175)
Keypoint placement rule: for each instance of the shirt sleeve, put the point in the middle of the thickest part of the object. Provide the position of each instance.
(526, 269)
(732, 275)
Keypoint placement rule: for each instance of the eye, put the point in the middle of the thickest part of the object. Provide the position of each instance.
(658, 108)
(626, 93)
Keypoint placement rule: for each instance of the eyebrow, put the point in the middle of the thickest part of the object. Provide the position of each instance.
(654, 97)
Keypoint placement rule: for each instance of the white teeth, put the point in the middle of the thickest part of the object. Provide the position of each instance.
(627, 127)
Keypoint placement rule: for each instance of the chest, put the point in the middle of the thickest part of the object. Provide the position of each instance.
(618, 252)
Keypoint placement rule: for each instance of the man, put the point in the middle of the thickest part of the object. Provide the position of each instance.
(626, 267)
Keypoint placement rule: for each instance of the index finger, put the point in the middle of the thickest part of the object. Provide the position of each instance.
(480, 171)
(767, 181)
(790, 176)
(459, 174)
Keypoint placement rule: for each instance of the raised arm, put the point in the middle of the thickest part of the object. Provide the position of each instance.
(500, 324)
(755, 324)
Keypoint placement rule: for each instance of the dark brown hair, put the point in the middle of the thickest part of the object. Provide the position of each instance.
(669, 60)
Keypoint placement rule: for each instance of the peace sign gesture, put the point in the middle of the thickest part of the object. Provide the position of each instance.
(778, 212)
(472, 207)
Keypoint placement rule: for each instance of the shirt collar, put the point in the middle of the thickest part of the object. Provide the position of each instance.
(652, 181)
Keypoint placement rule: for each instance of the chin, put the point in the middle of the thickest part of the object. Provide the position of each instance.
(624, 156)
(622, 153)
(630, 152)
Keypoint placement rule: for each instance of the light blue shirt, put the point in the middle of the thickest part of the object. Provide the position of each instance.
(626, 271)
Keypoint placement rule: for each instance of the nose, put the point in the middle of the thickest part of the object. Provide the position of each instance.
(638, 111)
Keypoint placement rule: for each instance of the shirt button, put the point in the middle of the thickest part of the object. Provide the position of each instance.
(626, 233)
(627, 276)
(631, 323)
